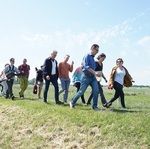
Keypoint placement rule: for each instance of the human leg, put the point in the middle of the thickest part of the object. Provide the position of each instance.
(103, 99)
(21, 81)
(95, 92)
(90, 98)
(67, 83)
(84, 84)
(47, 83)
(117, 93)
(62, 85)
(122, 98)
(56, 88)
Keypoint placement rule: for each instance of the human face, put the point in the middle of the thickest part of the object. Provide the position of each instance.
(95, 51)
(12, 61)
(119, 62)
(54, 54)
(24, 61)
(101, 59)
(66, 58)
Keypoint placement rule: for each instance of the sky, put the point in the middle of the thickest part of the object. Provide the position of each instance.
(33, 28)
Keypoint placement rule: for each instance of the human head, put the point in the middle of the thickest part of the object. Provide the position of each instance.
(12, 61)
(66, 58)
(24, 61)
(101, 57)
(119, 61)
(54, 54)
(94, 49)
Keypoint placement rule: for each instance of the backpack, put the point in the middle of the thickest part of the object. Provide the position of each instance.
(10, 73)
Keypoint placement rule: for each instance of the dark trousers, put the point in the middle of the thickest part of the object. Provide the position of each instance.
(9, 92)
(103, 100)
(53, 80)
(77, 85)
(118, 93)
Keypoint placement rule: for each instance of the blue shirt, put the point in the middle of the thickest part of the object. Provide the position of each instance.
(88, 62)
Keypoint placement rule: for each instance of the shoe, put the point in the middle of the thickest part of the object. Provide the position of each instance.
(71, 105)
(105, 105)
(45, 101)
(6, 97)
(88, 103)
(21, 96)
(59, 102)
(65, 103)
(109, 104)
(12, 97)
(123, 109)
(96, 109)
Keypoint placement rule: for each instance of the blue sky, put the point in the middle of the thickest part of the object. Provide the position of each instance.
(33, 28)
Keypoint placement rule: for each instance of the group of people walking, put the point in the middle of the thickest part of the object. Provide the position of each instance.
(8, 76)
(91, 74)
(88, 74)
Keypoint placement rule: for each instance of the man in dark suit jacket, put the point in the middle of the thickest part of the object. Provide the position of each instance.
(50, 72)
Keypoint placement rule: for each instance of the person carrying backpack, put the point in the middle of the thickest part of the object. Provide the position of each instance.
(10, 72)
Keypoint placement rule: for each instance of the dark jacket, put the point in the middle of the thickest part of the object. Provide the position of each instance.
(127, 77)
(48, 67)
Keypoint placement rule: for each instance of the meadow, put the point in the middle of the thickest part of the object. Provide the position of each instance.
(32, 124)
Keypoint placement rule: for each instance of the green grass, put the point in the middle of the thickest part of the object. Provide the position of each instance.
(31, 124)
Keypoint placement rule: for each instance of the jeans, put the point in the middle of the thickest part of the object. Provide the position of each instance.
(65, 87)
(9, 92)
(103, 100)
(118, 93)
(85, 82)
(53, 80)
(77, 85)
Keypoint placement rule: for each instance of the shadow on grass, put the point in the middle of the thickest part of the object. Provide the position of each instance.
(126, 110)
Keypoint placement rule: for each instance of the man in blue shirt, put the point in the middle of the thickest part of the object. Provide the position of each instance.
(88, 78)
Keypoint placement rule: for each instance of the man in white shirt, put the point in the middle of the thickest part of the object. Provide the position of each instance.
(50, 72)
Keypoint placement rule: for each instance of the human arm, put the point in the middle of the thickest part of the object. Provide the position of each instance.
(103, 76)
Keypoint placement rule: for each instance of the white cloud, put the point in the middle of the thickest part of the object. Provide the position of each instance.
(82, 37)
(145, 42)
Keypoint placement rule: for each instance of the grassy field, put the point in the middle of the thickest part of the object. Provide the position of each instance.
(32, 124)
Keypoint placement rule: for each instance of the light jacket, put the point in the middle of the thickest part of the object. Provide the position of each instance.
(127, 78)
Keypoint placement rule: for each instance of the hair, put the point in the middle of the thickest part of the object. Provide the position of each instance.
(119, 59)
(67, 55)
(12, 59)
(94, 46)
(101, 55)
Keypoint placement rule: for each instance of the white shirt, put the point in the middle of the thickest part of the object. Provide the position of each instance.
(53, 67)
(119, 75)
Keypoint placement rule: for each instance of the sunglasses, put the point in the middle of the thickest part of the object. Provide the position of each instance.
(119, 61)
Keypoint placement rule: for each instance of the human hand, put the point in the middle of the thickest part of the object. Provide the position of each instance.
(48, 77)
(110, 86)
(97, 74)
